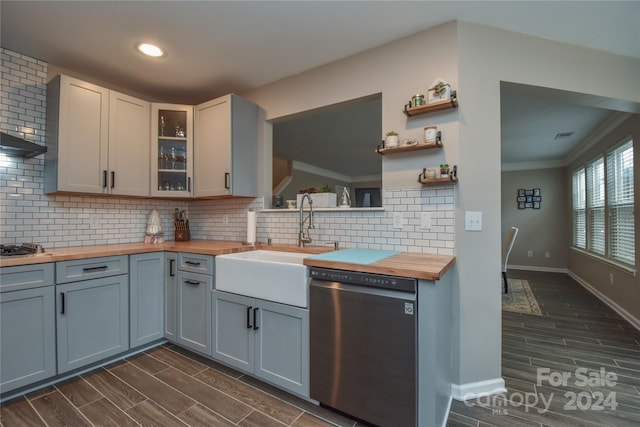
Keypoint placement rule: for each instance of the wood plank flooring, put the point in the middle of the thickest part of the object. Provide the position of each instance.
(170, 386)
(165, 386)
(576, 335)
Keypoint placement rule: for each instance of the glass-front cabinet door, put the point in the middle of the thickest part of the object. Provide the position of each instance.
(172, 150)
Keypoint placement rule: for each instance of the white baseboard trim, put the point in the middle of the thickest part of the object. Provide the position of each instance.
(605, 299)
(533, 268)
(468, 391)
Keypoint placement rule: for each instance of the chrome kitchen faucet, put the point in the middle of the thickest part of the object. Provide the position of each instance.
(302, 239)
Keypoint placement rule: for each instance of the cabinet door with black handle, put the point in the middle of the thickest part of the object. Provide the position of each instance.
(234, 319)
(92, 320)
(194, 311)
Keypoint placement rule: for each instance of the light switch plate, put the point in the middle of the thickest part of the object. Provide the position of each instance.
(425, 220)
(397, 220)
(473, 221)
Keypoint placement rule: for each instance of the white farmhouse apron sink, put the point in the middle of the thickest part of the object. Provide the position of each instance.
(276, 276)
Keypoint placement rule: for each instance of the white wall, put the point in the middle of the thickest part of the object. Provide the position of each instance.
(488, 56)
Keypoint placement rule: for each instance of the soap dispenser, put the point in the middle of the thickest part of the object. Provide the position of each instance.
(345, 199)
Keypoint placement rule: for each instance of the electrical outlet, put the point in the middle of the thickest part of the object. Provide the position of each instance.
(473, 221)
(530, 254)
(94, 221)
(425, 220)
(611, 278)
(547, 254)
(397, 220)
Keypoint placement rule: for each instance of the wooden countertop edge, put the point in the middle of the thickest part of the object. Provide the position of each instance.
(419, 266)
(438, 266)
(203, 247)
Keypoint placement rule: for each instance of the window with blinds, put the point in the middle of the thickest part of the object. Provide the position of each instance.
(579, 221)
(595, 206)
(620, 203)
(603, 205)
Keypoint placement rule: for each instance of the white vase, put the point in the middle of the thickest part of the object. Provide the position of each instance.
(391, 141)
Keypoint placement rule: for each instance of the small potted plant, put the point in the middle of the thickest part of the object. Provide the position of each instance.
(391, 140)
(444, 170)
(323, 196)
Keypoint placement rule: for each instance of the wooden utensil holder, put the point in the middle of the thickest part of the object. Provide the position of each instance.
(182, 232)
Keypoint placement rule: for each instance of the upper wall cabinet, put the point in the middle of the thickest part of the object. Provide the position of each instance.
(226, 148)
(172, 150)
(98, 140)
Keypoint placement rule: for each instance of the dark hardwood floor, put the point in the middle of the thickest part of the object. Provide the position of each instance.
(576, 365)
(170, 386)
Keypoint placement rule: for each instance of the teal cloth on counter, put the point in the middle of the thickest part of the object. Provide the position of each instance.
(355, 256)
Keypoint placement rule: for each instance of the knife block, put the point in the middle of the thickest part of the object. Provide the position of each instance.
(182, 232)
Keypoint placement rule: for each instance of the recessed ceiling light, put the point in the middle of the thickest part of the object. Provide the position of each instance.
(150, 50)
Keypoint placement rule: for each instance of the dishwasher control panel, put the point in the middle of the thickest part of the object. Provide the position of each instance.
(364, 279)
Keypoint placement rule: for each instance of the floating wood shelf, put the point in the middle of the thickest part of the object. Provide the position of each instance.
(436, 106)
(434, 181)
(405, 149)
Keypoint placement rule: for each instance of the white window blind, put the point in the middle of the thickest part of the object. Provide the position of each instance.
(620, 203)
(579, 201)
(596, 206)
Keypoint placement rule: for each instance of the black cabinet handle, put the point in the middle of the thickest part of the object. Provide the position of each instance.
(61, 302)
(192, 263)
(191, 282)
(113, 179)
(255, 319)
(92, 269)
(172, 272)
(249, 326)
(104, 179)
(227, 178)
(189, 185)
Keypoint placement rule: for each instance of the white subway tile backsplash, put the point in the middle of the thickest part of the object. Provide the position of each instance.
(27, 214)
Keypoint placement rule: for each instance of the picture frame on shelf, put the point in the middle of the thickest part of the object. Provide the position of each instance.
(439, 91)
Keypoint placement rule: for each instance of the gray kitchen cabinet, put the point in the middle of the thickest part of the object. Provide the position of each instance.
(266, 339)
(195, 281)
(170, 295)
(97, 139)
(27, 325)
(146, 298)
(233, 334)
(194, 311)
(226, 147)
(92, 310)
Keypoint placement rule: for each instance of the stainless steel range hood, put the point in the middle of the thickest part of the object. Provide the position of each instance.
(14, 146)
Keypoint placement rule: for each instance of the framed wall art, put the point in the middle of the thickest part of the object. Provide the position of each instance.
(529, 198)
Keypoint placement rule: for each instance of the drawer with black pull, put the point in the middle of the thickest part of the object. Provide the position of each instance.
(195, 263)
(92, 268)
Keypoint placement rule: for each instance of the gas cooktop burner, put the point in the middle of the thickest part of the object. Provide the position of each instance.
(24, 249)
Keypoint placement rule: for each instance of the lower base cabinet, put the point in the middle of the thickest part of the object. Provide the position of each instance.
(194, 311)
(266, 339)
(92, 320)
(27, 337)
(146, 298)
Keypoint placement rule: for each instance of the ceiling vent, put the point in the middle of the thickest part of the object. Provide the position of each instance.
(563, 135)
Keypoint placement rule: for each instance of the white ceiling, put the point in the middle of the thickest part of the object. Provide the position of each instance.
(215, 47)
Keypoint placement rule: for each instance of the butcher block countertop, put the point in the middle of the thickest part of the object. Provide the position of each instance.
(205, 247)
(419, 266)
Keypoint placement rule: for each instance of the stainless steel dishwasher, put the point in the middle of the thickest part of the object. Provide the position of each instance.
(363, 345)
